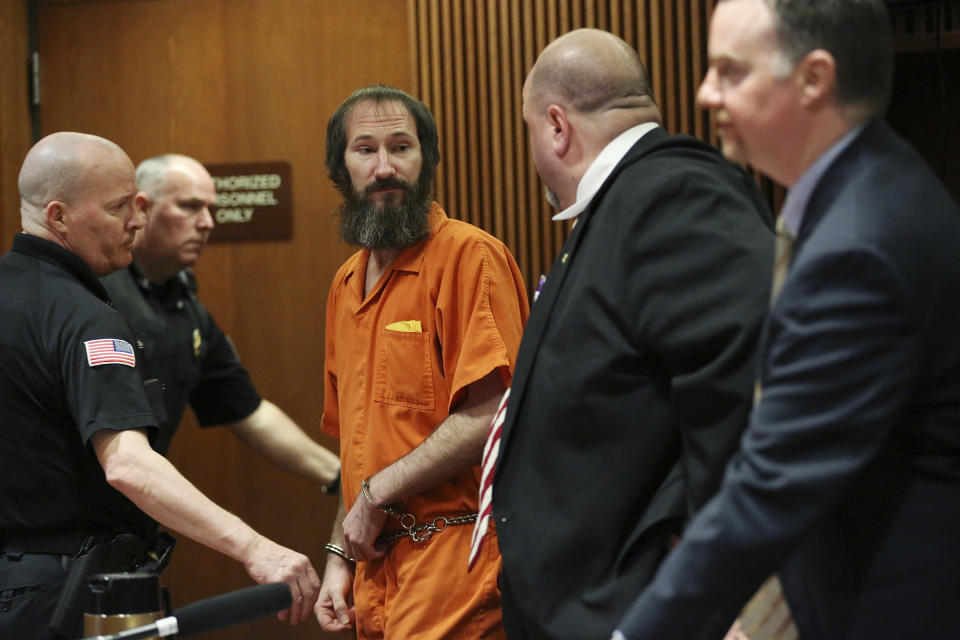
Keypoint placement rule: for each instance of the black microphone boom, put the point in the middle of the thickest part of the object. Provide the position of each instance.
(233, 608)
(213, 613)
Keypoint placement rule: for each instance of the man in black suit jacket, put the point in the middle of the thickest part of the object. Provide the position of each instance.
(635, 374)
(847, 482)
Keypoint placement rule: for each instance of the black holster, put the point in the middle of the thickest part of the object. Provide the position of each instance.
(123, 553)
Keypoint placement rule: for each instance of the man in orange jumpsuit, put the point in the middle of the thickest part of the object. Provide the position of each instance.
(422, 330)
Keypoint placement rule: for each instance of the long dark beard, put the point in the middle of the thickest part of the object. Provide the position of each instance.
(392, 225)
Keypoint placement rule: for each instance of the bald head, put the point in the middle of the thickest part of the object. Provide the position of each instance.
(592, 72)
(78, 191)
(58, 168)
(586, 88)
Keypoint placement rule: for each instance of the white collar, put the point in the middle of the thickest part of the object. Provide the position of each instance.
(602, 166)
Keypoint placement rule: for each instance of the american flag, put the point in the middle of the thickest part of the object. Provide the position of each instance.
(109, 351)
(488, 466)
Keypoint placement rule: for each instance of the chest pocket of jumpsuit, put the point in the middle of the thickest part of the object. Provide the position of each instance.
(404, 369)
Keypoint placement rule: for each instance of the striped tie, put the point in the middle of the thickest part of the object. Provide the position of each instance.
(767, 616)
(489, 465)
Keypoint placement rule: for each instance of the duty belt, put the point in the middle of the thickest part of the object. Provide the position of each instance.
(423, 532)
(50, 542)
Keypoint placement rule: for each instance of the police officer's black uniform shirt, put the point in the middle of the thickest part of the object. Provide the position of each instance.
(183, 348)
(53, 399)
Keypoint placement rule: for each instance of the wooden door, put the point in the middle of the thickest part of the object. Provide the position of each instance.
(236, 81)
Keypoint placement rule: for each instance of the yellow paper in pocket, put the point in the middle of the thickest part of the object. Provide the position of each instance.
(406, 326)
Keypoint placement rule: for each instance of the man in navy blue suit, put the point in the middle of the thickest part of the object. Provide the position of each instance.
(847, 482)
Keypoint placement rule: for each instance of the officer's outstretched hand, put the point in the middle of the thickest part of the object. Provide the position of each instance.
(267, 561)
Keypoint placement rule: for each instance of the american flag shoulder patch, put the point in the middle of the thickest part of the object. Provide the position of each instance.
(109, 351)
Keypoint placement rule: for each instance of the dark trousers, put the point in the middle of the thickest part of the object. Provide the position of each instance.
(514, 622)
(30, 585)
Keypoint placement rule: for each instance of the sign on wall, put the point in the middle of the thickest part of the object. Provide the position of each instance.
(254, 201)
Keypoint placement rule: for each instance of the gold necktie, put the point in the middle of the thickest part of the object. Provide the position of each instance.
(781, 261)
(766, 616)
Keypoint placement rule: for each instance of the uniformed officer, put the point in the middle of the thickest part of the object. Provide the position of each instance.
(74, 419)
(183, 346)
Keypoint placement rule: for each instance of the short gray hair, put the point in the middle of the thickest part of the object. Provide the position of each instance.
(151, 173)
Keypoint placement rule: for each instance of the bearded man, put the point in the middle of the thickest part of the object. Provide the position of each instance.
(422, 330)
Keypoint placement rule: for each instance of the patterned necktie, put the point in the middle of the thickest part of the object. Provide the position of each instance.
(488, 466)
(767, 616)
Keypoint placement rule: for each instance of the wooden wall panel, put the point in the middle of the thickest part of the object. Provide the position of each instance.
(231, 81)
(479, 51)
(14, 114)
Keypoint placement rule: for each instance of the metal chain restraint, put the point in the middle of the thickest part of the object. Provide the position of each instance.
(416, 532)
(423, 532)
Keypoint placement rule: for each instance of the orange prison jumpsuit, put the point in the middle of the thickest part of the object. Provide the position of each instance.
(387, 387)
